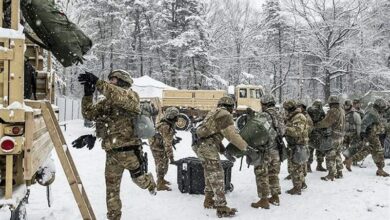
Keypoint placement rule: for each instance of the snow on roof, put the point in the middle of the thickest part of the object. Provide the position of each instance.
(146, 86)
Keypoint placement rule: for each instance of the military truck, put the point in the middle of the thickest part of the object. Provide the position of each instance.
(195, 104)
(25, 143)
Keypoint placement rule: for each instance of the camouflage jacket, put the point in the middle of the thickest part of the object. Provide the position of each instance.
(275, 118)
(113, 115)
(218, 124)
(316, 115)
(296, 129)
(352, 122)
(372, 123)
(310, 124)
(335, 121)
(163, 139)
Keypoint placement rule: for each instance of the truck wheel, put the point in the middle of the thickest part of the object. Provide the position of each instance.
(183, 121)
(241, 121)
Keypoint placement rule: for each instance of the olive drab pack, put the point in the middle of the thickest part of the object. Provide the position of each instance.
(351, 121)
(62, 37)
(143, 127)
(258, 133)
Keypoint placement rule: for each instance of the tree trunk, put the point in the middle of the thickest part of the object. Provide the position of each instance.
(280, 66)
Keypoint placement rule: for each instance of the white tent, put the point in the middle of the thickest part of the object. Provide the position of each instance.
(146, 86)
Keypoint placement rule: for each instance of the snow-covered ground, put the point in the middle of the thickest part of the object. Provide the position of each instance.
(359, 195)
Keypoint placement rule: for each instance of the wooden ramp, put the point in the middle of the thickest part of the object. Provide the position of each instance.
(67, 162)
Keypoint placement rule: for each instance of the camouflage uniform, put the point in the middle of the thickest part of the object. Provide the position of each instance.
(316, 114)
(217, 124)
(372, 127)
(335, 121)
(297, 137)
(161, 146)
(267, 175)
(352, 127)
(114, 125)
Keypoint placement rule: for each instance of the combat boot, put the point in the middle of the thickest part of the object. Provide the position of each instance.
(274, 200)
(339, 175)
(381, 172)
(161, 186)
(224, 211)
(320, 168)
(166, 182)
(328, 177)
(348, 164)
(288, 177)
(294, 191)
(304, 186)
(152, 186)
(209, 202)
(308, 168)
(262, 203)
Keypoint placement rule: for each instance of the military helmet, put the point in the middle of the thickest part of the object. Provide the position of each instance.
(356, 100)
(333, 99)
(380, 103)
(317, 103)
(348, 102)
(290, 104)
(122, 75)
(301, 103)
(226, 100)
(267, 99)
(171, 113)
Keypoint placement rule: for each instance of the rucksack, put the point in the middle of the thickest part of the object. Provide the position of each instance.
(59, 35)
(257, 132)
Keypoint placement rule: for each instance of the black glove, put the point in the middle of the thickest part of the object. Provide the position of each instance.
(363, 135)
(84, 140)
(89, 89)
(228, 156)
(88, 77)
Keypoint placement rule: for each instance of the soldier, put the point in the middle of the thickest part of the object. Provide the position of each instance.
(357, 106)
(334, 122)
(371, 129)
(267, 174)
(316, 114)
(352, 126)
(309, 121)
(297, 139)
(115, 115)
(161, 146)
(217, 124)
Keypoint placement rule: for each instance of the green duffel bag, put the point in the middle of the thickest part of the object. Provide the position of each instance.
(59, 35)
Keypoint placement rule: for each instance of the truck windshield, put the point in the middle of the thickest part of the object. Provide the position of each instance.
(258, 93)
(243, 93)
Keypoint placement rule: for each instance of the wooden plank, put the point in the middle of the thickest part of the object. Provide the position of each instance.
(17, 72)
(67, 162)
(15, 17)
(29, 131)
(8, 176)
(7, 55)
(1, 13)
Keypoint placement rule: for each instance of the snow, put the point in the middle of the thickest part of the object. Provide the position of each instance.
(18, 194)
(146, 86)
(17, 106)
(10, 33)
(359, 195)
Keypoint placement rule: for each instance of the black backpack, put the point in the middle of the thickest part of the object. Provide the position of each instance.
(59, 35)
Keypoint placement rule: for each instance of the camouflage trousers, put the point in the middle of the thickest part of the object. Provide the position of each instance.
(351, 140)
(314, 145)
(267, 179)
(116, 163)
(162, 163)
(374, 148)
(334, 162)
(296, 170)
(208, 153)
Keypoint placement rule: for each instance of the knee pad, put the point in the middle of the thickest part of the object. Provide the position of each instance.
(136, 173)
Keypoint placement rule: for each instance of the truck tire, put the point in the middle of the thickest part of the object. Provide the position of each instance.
(183, 122)
(241, 121)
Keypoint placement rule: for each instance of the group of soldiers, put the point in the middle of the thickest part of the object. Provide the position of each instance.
(305, 129)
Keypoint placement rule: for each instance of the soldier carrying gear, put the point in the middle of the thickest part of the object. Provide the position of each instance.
(309, 121)
(123, 148)
(357, 106)
(371, 129)
(334, 121)
(352, 126)
(161, 145)
(316, 113)
(217, 124)
(267, 173)
(297, 139)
